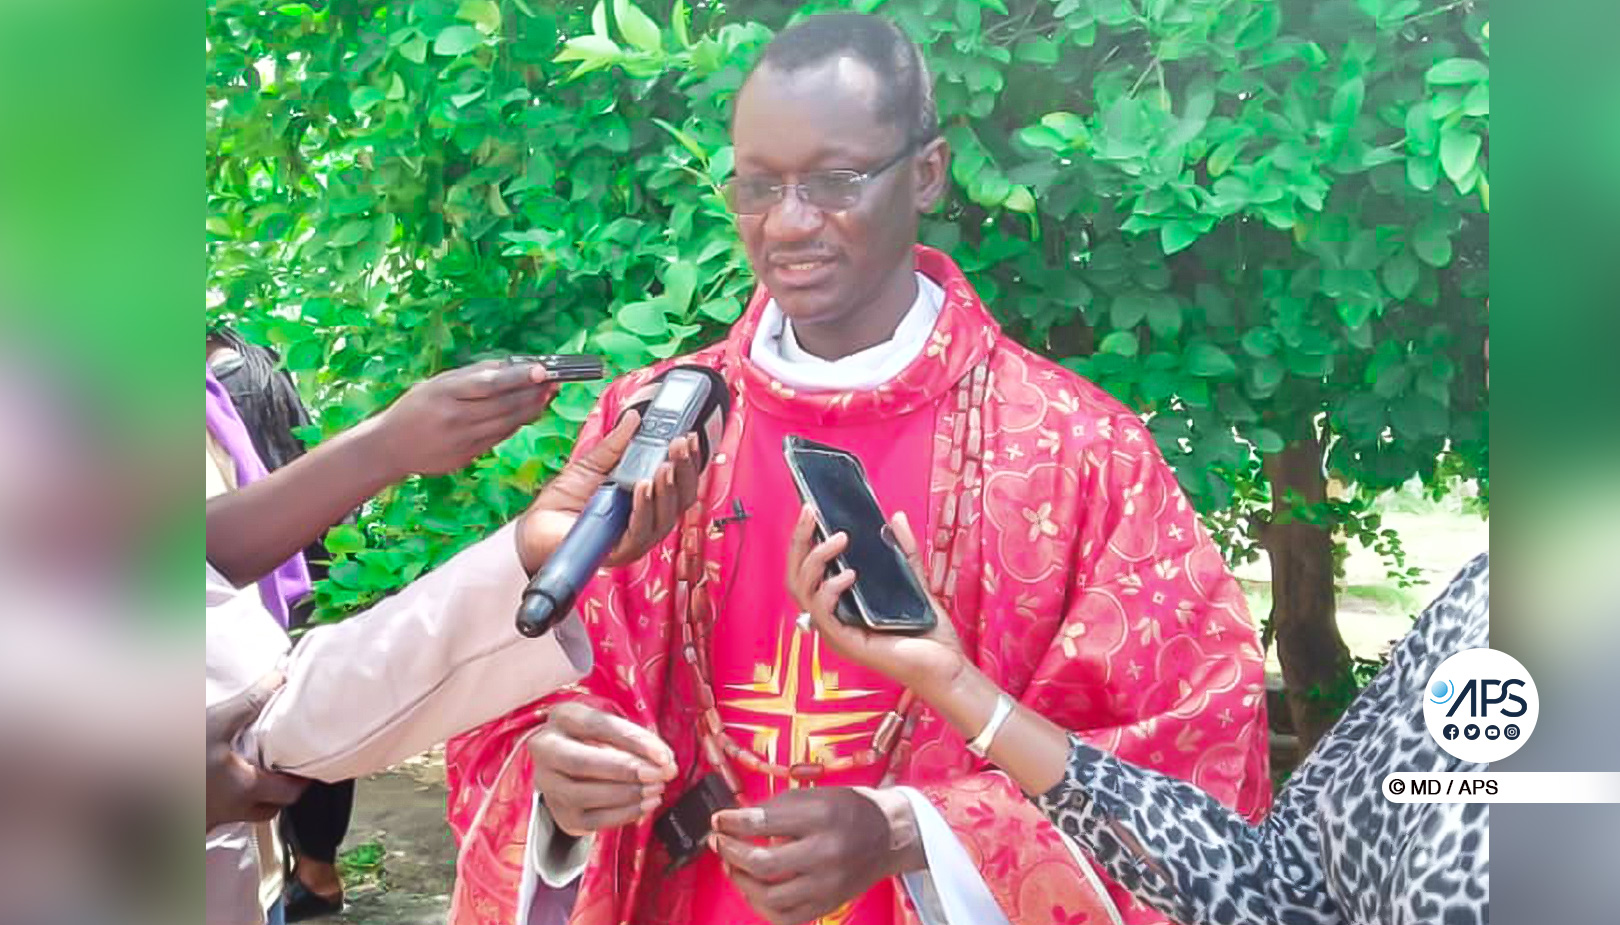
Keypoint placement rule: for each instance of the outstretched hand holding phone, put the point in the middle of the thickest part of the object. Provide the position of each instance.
(916, 661)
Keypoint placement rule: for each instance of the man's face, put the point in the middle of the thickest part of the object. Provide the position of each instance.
(824, 266)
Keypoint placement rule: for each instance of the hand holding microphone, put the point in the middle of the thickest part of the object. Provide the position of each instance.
(625, 495)
(543, 527)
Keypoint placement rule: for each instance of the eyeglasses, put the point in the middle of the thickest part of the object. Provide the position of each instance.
(827, 190)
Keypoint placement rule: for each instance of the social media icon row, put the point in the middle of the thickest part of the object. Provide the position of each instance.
(1472, 731)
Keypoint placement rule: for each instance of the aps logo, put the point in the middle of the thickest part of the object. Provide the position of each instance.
(1481, 705)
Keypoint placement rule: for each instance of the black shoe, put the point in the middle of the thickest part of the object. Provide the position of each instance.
(303, 904)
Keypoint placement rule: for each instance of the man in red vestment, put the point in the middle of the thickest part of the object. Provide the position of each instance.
(1058, 540)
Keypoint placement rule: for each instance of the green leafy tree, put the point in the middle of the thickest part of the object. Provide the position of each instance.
(1259, 222)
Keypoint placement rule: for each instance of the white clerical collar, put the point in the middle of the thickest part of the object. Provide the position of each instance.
(777, 351)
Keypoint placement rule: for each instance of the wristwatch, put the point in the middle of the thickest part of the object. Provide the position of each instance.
(998, 717)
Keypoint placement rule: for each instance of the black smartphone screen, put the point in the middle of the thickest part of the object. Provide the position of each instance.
(840, 494)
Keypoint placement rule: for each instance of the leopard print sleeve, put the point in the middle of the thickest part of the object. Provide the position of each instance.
(1332, 850)
(1184, 853)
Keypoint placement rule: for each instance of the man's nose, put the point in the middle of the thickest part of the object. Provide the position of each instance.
(791, 218)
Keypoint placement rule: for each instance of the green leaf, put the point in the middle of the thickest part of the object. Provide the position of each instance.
(593, 50)
(1019, 200)
(1360, 337)
(345, 538)
(1113, 12)
(1400, 274)
(352, 233)
(1037, 51)
(724, 311)
(1421, 172)
(713, 249)
(1267, 441)
(680, 280)
(485, 13)
(1177, 236)
(1070, 126)
(1381, 155)
(637, 27)
(1421, 132)
(1041, 136)
(1265, 377)
(1119, 343)
(1158, 385)
(1431, 241)
(721, 163)
(1208, 361)
(1164, 315)
(687, 141)
(1128, 309)
(1355, 310)
(599, 23)
(457, 40)
(1417, 415)
(1260, 342)
(1393, 380)
(625, 350)
(1199, 104)
(415, 50)
(1347, 102)
(363, 98)
(1453, 71)
(305, 355)
(1220, 161)
(1309, 366)
(644, 319)
(679, 22)
(1362, 253)
(1459, 149)
(998, 5)
(867, 6)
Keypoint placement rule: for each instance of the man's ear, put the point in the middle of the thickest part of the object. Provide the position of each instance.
(932, 171)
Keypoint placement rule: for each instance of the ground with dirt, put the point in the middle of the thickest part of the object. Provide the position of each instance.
(401, 858)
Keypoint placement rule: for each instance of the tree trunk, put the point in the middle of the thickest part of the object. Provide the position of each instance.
(1315, 662)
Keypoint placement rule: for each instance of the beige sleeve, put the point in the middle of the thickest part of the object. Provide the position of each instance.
(438, 658)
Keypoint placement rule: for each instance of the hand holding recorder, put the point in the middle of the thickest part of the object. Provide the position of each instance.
(678, 418)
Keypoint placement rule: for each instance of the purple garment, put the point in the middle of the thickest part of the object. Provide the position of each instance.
(290, 581)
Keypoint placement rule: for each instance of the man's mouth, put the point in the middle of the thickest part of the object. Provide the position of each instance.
(801, 261)
(797, 271)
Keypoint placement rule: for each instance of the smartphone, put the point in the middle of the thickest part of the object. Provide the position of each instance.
(887, 596)
(567, 367)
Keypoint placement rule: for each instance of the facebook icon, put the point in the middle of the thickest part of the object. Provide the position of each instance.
(1450, 732)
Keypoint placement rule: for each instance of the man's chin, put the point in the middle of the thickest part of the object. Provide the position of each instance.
(810, 313)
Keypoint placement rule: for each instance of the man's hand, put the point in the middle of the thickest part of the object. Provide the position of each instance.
(443, 423)
(237, 791)
(596, 770)
(825, 847)
(659, 502)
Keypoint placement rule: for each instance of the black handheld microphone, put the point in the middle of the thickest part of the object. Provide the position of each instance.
(683, 399)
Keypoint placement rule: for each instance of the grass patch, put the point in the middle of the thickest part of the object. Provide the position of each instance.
(362, 865)
(1384, 597)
